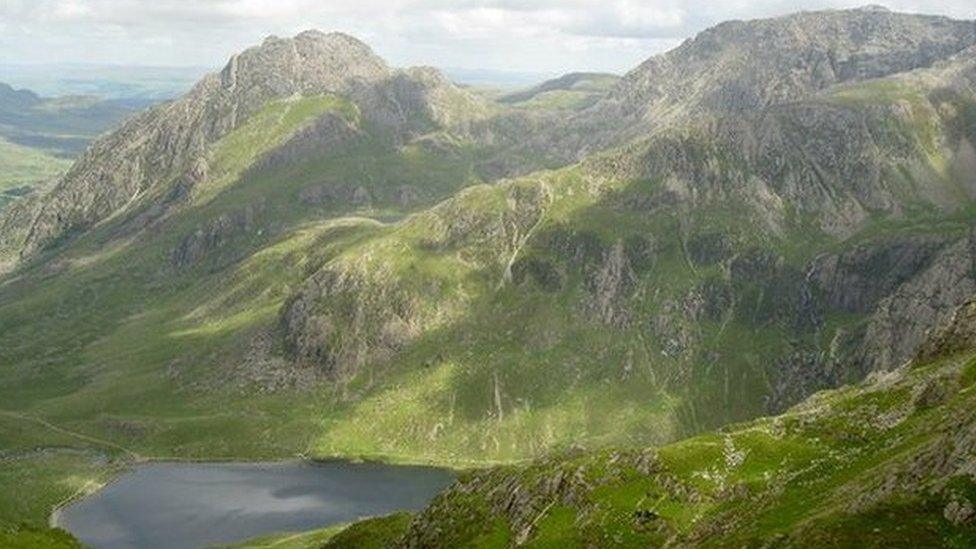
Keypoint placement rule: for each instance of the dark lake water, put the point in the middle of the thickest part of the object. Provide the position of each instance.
(190, 505)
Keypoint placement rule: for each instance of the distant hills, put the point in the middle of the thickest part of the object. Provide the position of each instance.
(61, 125)
(105, 81)
(575, 90)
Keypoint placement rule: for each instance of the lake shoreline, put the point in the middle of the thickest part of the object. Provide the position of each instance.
(458, 466)
(241, 499)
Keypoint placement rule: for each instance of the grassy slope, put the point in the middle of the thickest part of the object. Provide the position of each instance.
(36, 538)
(557, 95)
(437, 400)
(562, 379)
(23, 167)
(373, 533)
(813, 476)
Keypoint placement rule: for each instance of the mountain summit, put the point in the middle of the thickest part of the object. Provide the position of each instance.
(740, 66)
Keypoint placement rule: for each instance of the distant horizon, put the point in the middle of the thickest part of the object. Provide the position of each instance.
(134, 82)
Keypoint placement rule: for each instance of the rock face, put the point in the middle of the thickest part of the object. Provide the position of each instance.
(214, 234)
(955, 336)
(834, 162)
(742, 66)
(748, 65)
(350, 313)
(857, 280)
(902, 319)
(609, 286)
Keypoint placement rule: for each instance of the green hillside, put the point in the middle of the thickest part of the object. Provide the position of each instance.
(832, 471)
(22, 168)
(102, 348)
(314, 254)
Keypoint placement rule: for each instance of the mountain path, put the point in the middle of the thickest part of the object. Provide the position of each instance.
(70, 433)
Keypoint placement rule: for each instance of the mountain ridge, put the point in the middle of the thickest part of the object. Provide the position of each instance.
(353, 260)
(143, 153)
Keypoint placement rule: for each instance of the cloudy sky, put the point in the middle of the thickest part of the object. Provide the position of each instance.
(539, 36)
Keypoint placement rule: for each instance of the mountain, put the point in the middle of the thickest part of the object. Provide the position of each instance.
(164, 150)
(741, 66)
(711, 272)
(744, 65)
(314, 253)
(883, 463)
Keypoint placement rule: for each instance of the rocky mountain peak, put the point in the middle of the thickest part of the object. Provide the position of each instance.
(875, 8)
(170, 139)
(741, 65)
(312, 61)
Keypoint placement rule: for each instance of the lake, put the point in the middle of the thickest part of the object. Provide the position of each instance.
(190, 505)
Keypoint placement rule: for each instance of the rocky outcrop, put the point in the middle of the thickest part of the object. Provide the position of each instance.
(348, 315)
(214, 234)
(609, 286)
(957, 335)
(837, 164)
(901, 321)
(856, 280)
(363, 309)
(521, 498)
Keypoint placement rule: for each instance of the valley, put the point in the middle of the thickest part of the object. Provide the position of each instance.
(725, 298)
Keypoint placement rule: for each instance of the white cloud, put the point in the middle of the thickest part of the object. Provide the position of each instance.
(528, 35)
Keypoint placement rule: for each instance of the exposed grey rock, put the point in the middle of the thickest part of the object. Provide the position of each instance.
(747, 65)
(609, 287)
(216, 233)
(960, 511)
(901, 321)
(856, 280)
(349, 313)
(957, 335)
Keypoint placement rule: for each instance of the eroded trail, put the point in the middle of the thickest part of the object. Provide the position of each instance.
(74, 434)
